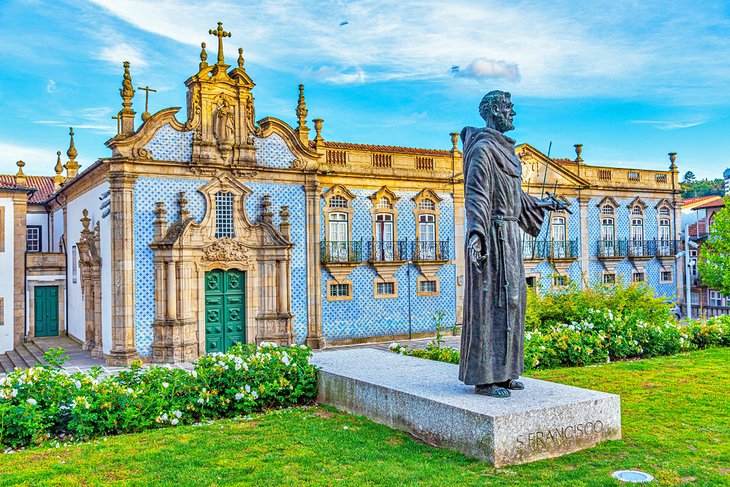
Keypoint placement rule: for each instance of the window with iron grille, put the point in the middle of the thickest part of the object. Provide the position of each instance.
(33, 238)
(224, 215)
(426, 204)
(338, 201)
(560, 281)
(384, 203)
(636, 210)
(664, 211)
(339, 290)
(609, 278)
(385, 288)
(665, 276)
(607, 210)
(638, 277)
(428, 287)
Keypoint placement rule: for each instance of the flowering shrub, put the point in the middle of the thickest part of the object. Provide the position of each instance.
(42, 403)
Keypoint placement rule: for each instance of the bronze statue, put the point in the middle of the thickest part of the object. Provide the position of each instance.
(492, 342)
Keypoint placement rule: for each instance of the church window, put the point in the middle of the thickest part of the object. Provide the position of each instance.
(338, 201)
(33, 238)
(224, 215)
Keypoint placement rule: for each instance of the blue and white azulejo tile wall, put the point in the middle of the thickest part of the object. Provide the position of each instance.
(272, 151)
(147, 191)
(366, 316)
(169, 144)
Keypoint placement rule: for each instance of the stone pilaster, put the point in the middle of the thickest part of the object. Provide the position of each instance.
(20, 204)
(315, 339)
(585, 260)
(122, 227)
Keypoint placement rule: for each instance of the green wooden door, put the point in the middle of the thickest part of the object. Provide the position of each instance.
(225, 309)
(46, 311)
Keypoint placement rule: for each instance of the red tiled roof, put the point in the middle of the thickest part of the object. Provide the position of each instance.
(698, 229)
(716, 202)
(689, 201)
(384, 148)
(43, 185)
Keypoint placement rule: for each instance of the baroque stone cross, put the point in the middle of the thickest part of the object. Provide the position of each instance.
(220, 34)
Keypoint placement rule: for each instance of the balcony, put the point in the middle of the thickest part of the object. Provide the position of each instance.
(424, 251)
(550, 249)
(341, 252)
(637, 248)
(382, 251)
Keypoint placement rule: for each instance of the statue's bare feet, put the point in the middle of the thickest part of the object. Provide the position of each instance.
(512, 384)
(492, 390)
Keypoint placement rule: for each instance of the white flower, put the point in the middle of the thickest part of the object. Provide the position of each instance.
(248, 388)
(32, 401)
(78, 384)
(174, 421)
(345, 428)
(201, 400)
(14, 392)
(164, 417)
(165, 385)
(177, 413)
(239, 396)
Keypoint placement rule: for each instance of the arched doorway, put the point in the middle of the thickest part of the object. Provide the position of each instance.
(225, 309)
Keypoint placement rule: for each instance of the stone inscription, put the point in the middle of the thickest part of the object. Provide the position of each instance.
(540, 440)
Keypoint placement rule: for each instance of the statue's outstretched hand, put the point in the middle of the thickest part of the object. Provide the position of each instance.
(476, 254)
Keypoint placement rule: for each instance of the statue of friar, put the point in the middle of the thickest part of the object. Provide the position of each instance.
(492, 342)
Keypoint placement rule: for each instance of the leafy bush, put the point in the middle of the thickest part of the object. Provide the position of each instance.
(582, 327)
(43, 402)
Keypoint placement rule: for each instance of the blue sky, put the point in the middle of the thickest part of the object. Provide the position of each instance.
(630, 80)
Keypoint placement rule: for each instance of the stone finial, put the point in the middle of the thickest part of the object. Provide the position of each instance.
(160, 223)
(266, 214)
(302, 112)
(58, 180)
(318, 128)
(285, 226)
(182, 202)
(146, 114)
(72, 167)
(578, 150)
(85, 221)
(203, 56)
(672, 160)
(240, 57)
(220, 34)
(127, 93)
(454, 142)
(20, 175)
(119, 125)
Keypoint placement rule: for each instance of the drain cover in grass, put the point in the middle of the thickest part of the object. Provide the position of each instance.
(632, 476)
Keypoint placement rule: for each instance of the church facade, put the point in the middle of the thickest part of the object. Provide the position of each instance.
(217, 228)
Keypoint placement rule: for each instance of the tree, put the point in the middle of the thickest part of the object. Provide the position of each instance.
(703, 187)
(689, 177)
(714, 262)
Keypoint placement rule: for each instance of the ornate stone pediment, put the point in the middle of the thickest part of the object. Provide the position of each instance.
(226, 250)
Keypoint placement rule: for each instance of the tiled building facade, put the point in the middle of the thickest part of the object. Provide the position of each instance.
(200, 233)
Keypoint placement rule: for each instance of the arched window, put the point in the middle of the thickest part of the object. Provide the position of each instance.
(338, 201)
(636, 210)
(427, 205)
(607, 210)
(384, 237)
(384, 203)
(559, 237)
(224, 215)
(608, 237)
(338, 245)
(427, 231)
(637, 237)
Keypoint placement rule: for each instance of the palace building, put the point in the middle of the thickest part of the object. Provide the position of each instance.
(203, 230)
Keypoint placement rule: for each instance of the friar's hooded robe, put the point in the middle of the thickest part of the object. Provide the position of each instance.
(492, 341)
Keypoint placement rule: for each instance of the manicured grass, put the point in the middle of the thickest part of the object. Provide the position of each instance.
(676, 426)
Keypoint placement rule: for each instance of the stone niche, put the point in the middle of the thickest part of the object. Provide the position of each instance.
(185, 251)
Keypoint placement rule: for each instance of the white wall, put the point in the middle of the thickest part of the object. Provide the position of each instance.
(57, 230)
(89, 201)
(39, 220)
(106, 282)
(7, 271)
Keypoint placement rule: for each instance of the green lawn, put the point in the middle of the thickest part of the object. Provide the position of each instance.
(676, 426)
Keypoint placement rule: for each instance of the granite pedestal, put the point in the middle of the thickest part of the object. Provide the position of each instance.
(426, 399)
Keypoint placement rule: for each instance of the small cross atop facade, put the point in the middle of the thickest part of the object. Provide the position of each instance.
(220, 34)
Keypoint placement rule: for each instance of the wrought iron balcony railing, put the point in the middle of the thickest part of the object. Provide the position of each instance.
(342, 252)
(550, 249)
(637, 248)
(384, 251)
(424, 250)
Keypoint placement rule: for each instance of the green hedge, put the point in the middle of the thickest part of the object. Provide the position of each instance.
(42, 403)
(582, 327)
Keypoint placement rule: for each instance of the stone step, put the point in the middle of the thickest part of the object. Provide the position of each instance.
(28, 357)
(6, 365)
(36, 351)
(17, 359)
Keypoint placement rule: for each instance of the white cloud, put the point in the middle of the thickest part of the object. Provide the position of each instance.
(95, 119)
(51, 86)
(336, 76)
(118, 53)
(37, 160)
(670, 125)
(482, 68)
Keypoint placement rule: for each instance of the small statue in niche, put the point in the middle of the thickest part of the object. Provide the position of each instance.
(223, 126)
